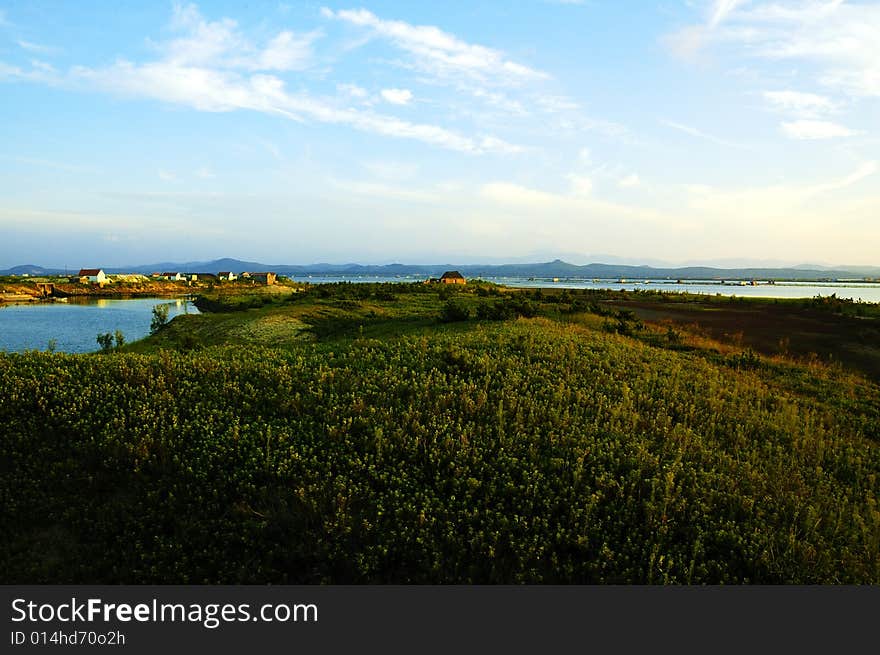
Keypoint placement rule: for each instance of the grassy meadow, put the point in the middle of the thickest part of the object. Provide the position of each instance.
(379, 433)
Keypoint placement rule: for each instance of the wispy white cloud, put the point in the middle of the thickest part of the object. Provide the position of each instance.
(629, 181)
(439, 53)
(589, 173)
(392, 170)
(508, 89)
(865, 170)
(494, 144)
(840, 38)
(166, 176)
(562, 115)
(36, 48)
(808, 113)
(39, 72)
(221, 44)
(555, 104)
(688, 41)
(567, 206)
(204, 173)
(810, 129)
(580, 185)
(799, 103)
(517, 195)
(389, 191)
(827, 213)
(721, 9)
(499, 101)
(219, 91)
(397, 96)
(693, 131)
(287, 51)
(352, 90)
(777, 200)
(142, 225)
(47, 163)
(212, 67)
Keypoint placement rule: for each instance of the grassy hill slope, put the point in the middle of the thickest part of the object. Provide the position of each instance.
(346, 434)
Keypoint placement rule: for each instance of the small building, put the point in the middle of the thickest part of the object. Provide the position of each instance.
(452, 277)
(45, 289)
(132, 278)
(92, 275)
(229, 276)
(263, 278)
(176, 277)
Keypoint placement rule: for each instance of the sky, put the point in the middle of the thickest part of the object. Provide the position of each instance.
(678, 131)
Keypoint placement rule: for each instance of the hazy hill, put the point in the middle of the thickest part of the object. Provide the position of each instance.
(555, 268)
(30, 269)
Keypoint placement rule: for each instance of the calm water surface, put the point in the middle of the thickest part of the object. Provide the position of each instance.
(74, 325)
(860, 291)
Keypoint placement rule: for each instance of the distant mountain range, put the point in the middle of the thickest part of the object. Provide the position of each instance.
(556, 268)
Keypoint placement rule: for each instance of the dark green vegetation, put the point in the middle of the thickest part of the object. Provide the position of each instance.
(829, 328)
(405, 433)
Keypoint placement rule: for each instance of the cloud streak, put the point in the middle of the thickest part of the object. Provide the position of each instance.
(222, 91)
(36, 48)
(439, 53)
(840, 38)
(770, 202)
(812, 130)
(721, 9)
(397, 96)
(809, 104)
(220, 44)
(212, 67)
(692, 131)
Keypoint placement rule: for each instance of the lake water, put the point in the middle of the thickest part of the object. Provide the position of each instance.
(859, 291)
(74, 325)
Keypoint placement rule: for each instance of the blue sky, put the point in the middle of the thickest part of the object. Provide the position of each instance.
(679, 131)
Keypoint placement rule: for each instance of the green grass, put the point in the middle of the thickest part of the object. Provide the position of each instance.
(346, 434)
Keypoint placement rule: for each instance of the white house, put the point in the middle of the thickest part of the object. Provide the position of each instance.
(228, 275)
(177, 277)
(94, 275)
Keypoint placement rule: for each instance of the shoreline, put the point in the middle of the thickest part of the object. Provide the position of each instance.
(45, 290)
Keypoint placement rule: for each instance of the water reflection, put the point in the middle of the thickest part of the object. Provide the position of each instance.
(74, 325)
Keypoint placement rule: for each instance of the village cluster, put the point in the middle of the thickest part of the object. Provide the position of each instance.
(57, 286)
(98, 276)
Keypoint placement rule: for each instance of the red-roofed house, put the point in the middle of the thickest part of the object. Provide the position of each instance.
(94, 275)
(452, 277)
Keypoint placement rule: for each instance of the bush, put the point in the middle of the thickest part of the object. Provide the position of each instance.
(160, 318)
(522, 306)
(105, 340)
(747, 359)
(453, 311)
(498, 311)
